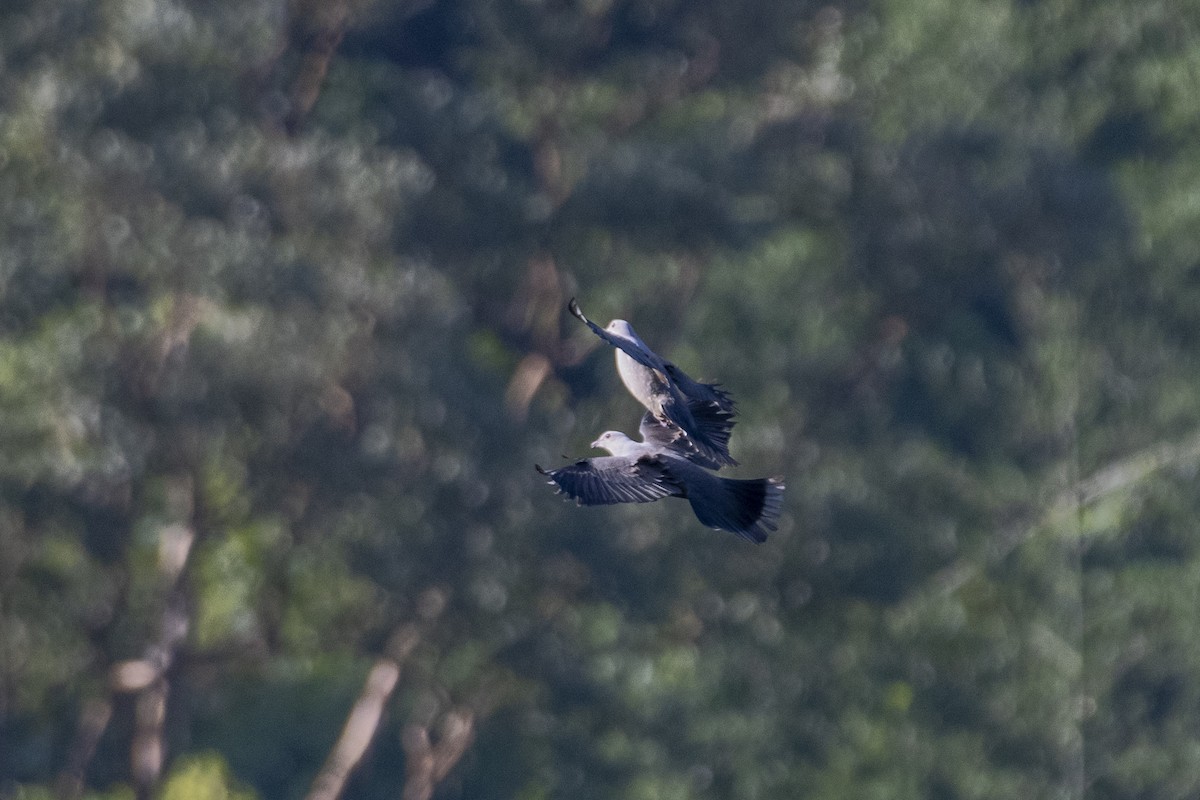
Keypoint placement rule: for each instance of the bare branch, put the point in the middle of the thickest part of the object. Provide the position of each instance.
(318, 56)
(363, 721)
(358, 732)
(1134, 469)
(427, 764)
(147, 751)
(1113, 478)
(93, 720)
(524, 384)
(148, 676)
(455, 735)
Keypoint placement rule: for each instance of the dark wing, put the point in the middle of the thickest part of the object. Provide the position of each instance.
(669, 437)
(646, 358)
(699, 392)
(708, 422)
(612, 479)
(711, 408)
(703, 410)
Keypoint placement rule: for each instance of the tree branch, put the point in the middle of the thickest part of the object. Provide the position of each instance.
(427, 764)
(93, 720)
(1109, 480)
(363, 721)
(321, 47)
(148, 675)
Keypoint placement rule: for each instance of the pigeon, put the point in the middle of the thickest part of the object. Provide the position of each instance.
(702, 413)
(657, 467)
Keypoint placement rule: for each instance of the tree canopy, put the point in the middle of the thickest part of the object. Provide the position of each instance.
(283, 331)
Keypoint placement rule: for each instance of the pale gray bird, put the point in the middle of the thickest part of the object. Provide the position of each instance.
(701, 412)
(642, 472)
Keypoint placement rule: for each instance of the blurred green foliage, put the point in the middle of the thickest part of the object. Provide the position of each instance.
(282, 334)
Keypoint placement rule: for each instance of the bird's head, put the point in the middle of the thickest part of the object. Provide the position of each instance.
(621, 328)
(613, 441)
(606, 438)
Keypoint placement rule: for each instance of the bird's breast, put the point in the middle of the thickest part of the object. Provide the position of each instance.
(641, 381)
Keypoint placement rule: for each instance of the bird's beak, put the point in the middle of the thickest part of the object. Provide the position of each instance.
(596, 444)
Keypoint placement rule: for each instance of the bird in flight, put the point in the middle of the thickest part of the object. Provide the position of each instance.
(685, 434)
(702, 411)
(659, 466)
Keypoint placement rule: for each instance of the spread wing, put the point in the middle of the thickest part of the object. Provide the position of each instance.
(612, 479)
(705, 422)
(699, 392)
(669, 437)
(702, 411)
(647, 358)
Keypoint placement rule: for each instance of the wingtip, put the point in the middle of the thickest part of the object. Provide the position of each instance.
(575, 310)
(538, 467)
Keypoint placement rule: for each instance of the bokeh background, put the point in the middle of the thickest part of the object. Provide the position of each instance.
(283, 333)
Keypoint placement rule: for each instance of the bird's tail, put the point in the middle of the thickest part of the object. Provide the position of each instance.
(749, 508)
